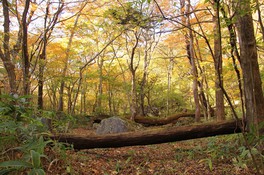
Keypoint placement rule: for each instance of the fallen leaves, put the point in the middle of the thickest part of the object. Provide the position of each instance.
(185, 157)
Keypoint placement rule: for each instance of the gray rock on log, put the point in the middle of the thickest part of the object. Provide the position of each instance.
(112, 125)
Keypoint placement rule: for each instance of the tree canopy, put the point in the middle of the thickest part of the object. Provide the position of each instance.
(132, 57)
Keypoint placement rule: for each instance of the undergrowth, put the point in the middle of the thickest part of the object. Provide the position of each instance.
(23, 137)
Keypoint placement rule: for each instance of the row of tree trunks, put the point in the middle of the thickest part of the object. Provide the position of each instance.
(162, 121)
(153, 136)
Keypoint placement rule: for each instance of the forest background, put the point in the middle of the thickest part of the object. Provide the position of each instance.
(119, 58)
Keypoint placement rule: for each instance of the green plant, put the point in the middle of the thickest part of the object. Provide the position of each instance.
(15, 106)
(22, 134)
(62, 122)
(34, 165)
(251, 149)
(118, 167)
(208, 162)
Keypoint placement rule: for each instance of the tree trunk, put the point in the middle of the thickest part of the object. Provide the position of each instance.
(98, 107)
(25, 56)
(143, 84)
(154, 136)
(191, 57)
(5, 55)
(254, 100)
(133, 68)
(235, 56)
(133, 107)
(144, 77)
(48, 28)
(62, 85)
(219, 96)
(42, 60)
(204, 97)
(169, 76)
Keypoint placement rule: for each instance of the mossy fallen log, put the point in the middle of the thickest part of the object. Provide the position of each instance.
(152, 136)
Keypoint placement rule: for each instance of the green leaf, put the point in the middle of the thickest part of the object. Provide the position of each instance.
(207, 161)
(7, 171)
(15, 163)
(210, 164)
(35, 156)
(37, 171)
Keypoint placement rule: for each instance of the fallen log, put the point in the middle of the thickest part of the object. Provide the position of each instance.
(162, 121)
(153, 136)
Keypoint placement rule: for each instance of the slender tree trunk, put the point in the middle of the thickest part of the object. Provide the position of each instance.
(235, 56)
(76, 94)
(69, 94)
(219, 96)
(62, 84)
(169, 76)
(133, 106)
(204, 98)
(25, 56)
(144, 81)
(48, 28)
(191, 57)
(110, 99)
(5, 55)
(41, 62)
(254, 99)
(100, 86)
(133, 68)
(124, 84)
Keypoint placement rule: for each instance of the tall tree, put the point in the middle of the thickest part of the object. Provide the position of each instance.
(254, 100)
(66, 64)
(49, 25)
(133, 68)
(25, 56)
(6, 54)
(149, 41)
(219, 96)
(186, 7)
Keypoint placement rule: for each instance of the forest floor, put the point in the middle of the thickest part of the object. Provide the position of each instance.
(207, 156)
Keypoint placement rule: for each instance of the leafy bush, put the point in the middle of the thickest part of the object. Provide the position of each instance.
(22, 137)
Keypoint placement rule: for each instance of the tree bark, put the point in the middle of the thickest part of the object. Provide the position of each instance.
(144, 81)
(204, 97)
(47, 30)
(25, 56)
(154, 136)
(219, 96)
(133, 69)
(234, 55)
(191, 57)
(254, 100)
(5, 54)
(98, 105)
(62, 85)
(169, 77)
(42, 59)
